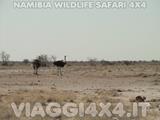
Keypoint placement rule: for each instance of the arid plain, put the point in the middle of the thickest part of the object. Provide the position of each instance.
(81, 82)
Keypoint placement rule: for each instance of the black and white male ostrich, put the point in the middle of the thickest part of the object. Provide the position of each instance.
(60, 64)
(36, 65)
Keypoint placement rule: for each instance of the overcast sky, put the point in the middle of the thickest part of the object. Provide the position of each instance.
(124, 34)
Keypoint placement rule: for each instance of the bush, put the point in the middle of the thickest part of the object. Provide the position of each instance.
(25, 61)
(4, 57)
(44, 60)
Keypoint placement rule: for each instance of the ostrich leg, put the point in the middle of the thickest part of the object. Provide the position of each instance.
(61, 72)
(58, 71)
(36, 71)
(33, 70)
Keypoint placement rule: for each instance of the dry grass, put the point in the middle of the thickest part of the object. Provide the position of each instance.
(80, 83)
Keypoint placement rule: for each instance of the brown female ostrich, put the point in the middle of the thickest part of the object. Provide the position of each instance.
(60, 64)
(36, 64)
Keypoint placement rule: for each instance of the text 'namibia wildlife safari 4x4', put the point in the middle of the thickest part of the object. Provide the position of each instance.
(79, 60)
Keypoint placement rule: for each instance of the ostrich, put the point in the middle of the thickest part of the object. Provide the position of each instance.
(36, 64)
(60, 64)
(140, 99)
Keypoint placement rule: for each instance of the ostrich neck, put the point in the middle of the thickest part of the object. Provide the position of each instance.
(65, 59)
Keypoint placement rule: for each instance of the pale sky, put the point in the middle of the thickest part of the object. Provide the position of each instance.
(124, 34)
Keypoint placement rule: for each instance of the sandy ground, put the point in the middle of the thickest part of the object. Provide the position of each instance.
(80, 83)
